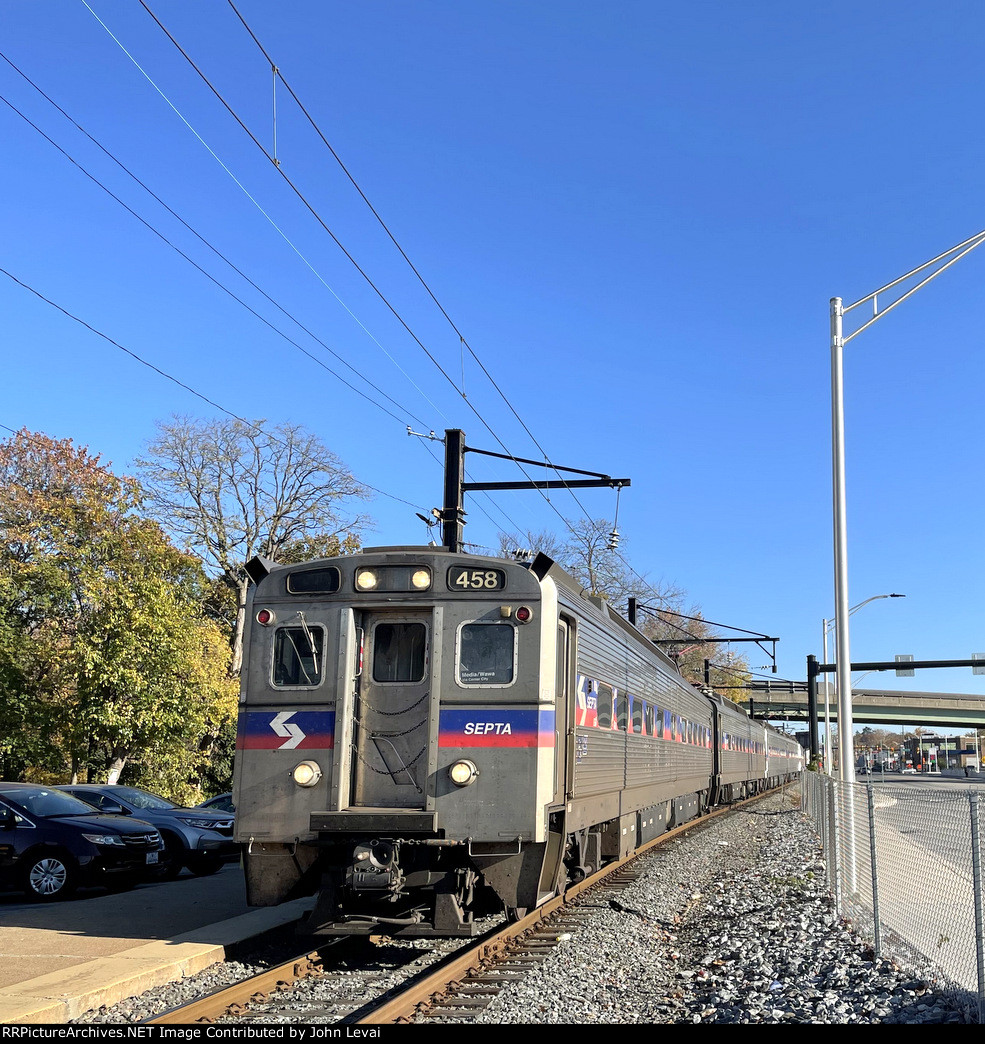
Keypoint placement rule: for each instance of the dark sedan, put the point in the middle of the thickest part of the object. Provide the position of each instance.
(52, 843)
(197, 838)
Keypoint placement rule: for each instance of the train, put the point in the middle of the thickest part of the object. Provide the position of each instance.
(427, 737)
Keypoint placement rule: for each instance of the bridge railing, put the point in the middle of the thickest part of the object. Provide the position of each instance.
(904, 865)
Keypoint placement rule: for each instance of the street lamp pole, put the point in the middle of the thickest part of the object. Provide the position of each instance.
(839, 512)
(825, 631)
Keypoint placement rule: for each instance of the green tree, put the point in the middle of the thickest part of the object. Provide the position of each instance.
(232, 489)
(105, 645)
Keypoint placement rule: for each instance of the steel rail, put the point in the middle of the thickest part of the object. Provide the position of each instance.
(402, 1007)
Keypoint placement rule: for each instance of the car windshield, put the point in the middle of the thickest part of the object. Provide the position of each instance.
(42, 802)
(140, 798)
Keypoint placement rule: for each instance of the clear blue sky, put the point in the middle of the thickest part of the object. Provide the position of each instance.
(635, 214)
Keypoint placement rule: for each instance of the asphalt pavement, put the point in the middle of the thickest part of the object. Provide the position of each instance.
(63, 958)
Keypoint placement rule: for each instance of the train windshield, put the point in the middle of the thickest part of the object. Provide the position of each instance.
(486, 654)
(298, 655)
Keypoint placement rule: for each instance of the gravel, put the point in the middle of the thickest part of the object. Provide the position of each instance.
(731, 923)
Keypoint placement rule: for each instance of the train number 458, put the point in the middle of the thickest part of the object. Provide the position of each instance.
(476, 579)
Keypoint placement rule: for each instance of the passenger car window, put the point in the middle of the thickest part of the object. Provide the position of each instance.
(604, 697)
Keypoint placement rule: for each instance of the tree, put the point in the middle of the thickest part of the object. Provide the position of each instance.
(103, 641)
(232, 489)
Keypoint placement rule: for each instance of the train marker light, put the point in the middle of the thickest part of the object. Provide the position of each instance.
(306, 774)
(462, 773)
(265, 617)
(524, 614)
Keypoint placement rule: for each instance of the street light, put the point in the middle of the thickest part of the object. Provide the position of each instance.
(839, 510)
(827, 625)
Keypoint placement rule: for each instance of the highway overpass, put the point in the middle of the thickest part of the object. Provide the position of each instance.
(869, 706)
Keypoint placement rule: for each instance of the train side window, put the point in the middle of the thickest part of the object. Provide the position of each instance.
(648, 717)
(399, 652)
(603, 695)
(622, 711)
(486, 654)
(298, 658)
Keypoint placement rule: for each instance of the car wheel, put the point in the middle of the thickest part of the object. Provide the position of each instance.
(172, 859)
(206, 866)
(49, 876)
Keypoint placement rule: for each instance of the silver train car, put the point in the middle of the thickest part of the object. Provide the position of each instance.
(427, 736)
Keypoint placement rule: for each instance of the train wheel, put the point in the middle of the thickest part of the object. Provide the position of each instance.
(516, 913)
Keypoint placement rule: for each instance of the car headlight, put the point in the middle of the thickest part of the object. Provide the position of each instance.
(104, 839)
(206, 824)
(463, 773)
(306, 773)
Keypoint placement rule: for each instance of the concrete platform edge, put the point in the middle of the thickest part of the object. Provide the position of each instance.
(61, 996)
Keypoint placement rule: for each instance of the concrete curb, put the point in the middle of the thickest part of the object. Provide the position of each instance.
(64, 995)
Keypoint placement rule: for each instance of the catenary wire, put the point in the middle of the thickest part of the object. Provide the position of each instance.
(314, 213)
(348, 255)
(256, 203)
(174, 380)
(209, 276)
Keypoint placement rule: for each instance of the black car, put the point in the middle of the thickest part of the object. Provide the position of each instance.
(51, 843)
(193, 837)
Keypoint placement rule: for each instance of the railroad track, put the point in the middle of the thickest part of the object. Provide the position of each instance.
(430, 981)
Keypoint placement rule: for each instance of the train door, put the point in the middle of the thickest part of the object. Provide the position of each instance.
(564, 688)
(392, 715)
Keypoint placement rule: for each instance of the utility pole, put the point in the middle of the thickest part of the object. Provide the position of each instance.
(453, 511)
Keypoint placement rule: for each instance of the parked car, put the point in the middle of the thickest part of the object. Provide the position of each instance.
(52, 843)
(199, 839)
(221, 803)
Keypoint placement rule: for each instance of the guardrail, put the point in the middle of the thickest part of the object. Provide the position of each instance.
(904, 865)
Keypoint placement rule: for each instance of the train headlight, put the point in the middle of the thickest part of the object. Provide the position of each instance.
(366, 580)
(421, 580)
(462, 773)
(306, 774)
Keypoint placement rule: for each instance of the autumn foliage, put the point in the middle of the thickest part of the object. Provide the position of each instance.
(106, 654)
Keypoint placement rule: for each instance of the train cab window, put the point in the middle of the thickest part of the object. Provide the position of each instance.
(487, 654)
(399, 652)
(298, 658)
(637, 716)
(603, 695)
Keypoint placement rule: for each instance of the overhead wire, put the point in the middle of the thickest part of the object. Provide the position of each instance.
(279, 75)
(170, 377)
(256, 203)
(200, 269)
(279, 167)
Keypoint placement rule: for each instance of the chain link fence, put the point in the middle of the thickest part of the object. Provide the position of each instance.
(904, 865)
